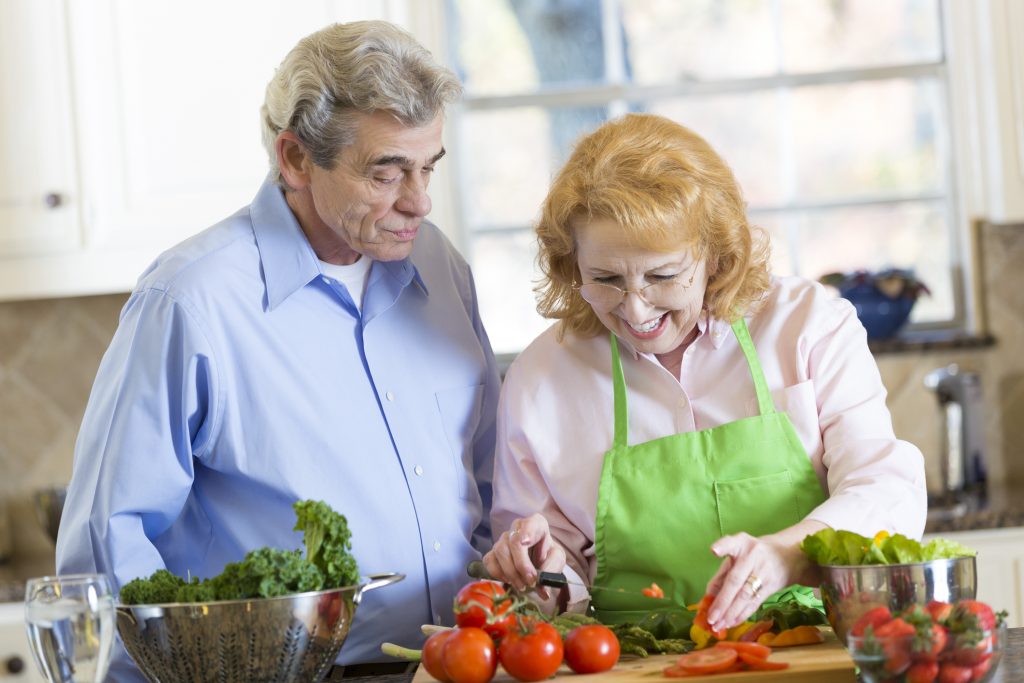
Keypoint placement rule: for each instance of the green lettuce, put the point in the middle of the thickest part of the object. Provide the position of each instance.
(832, 547)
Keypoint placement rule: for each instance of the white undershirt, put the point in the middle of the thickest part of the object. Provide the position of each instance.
(353, 276)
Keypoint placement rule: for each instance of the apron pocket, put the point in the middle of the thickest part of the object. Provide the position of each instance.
(758, 505)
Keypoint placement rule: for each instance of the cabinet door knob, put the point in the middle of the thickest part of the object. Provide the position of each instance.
(14, 664)
(53, 199)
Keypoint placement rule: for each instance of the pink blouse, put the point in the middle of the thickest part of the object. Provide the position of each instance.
(555, 416)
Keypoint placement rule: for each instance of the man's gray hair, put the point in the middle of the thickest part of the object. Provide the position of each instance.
(344, 70)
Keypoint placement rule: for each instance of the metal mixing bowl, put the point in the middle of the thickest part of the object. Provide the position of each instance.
(850, 591)
(49, 503)
(294, 638)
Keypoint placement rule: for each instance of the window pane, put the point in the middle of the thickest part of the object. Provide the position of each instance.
(750, 144)
(509, 157)
(505, 276)
(504, 46)
(849, 34)
(674, 41)
(913, 235)
(876, 137)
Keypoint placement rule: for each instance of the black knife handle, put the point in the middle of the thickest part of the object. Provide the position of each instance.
(477, 570)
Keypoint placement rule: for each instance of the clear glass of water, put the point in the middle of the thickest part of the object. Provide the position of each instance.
(70, 624)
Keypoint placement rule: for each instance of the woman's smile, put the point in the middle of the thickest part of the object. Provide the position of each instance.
(648, 329)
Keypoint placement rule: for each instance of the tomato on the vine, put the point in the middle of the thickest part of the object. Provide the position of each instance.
(486, 605)
(432, 655)
(469, 656)
(591, 648)
(531, 650)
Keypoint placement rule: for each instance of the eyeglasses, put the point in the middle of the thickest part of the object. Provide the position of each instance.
(605, 297)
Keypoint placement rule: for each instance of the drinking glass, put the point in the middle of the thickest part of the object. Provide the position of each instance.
(70, 625)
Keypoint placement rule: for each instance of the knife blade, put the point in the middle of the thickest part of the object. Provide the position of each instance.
(477, 570)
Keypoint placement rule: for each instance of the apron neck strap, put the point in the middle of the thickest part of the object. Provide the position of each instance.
(764, 397)
(619, 385)
(739, 328)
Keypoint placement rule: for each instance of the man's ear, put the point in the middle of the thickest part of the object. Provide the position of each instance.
(292, 159)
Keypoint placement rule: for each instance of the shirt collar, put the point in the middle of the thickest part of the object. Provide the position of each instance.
(289, 262)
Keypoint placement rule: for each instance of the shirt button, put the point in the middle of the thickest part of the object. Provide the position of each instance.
(437, 546)
(327, 279)
(389, 396)
(418, 470)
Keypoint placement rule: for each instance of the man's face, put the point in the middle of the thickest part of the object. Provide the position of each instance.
(373, 200)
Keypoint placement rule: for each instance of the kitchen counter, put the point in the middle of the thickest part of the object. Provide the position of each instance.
(1002, 507)
(1012, 668)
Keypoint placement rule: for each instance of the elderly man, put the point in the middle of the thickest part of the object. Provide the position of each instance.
(323, 342)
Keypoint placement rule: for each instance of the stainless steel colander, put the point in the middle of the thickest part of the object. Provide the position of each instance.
(294, 638)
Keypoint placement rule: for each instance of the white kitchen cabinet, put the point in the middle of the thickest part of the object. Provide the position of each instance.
(16, 663)
(140, 121)
(1000, 565)
(986, 57)
(39, 197)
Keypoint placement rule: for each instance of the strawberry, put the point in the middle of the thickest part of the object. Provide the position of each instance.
(874, 617)
(951, 673)
(929, 637)
(939, 610)
(986, 617)
(923, 672)
(978, 671)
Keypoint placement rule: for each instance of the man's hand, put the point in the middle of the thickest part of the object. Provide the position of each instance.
(524, 550)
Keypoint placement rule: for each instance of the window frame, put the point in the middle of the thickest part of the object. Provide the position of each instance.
(965, 29)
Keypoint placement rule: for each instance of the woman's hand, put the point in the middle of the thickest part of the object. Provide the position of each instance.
(754, 568)
(524, 550)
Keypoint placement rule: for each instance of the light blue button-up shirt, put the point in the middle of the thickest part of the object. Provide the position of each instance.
(240, 379)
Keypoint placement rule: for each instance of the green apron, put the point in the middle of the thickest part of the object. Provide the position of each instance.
(661, 504)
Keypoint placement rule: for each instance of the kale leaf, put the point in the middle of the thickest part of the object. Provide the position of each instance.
(265, 572)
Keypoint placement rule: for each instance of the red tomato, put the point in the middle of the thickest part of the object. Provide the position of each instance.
(754, 649)
(431, 656)
(923, 672)
(709, 661)
(591, 648)
(531, 650)
(760, 664)
(468, 656)
(486, 605)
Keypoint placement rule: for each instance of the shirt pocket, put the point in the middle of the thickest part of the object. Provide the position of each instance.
(757, 505)
(459, 410)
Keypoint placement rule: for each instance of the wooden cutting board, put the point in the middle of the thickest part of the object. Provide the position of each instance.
(824, 663)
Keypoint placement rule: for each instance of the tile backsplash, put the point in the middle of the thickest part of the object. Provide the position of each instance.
(50, 349)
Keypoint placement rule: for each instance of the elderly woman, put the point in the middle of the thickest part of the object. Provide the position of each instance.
(690, 418)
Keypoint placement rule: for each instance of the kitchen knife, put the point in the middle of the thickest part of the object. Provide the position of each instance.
(477, 570)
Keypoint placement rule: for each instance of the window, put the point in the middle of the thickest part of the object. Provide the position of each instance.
(832, 113)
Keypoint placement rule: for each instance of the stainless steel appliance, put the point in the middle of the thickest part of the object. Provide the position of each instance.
(962, 458)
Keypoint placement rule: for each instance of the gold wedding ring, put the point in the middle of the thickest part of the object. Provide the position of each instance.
(513, 532)
(754, 582)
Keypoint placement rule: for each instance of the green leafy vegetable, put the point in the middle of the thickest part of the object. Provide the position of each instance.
(639, 639)
(265, 572)
(328, 542)
(791, 608)
(831, 547)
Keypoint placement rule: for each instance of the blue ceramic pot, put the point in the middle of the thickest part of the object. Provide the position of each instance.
(881, 315)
